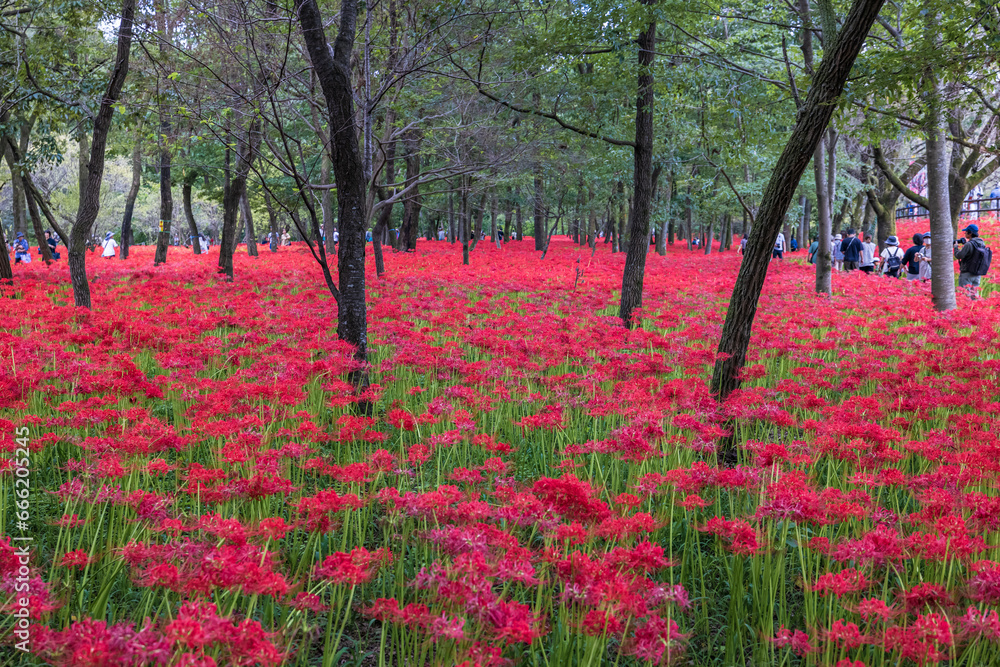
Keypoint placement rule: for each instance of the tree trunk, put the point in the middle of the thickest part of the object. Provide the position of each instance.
(812, 122)
(166, 197)
(666, 227)
(189, 212)
(83, 162)
(939, 210)
(378, 233)
(90, 200)
(133, 192)
(451, 218)
(250, 230)
(539, 210)
(272, 221)
(6, 274)
(519, 224)
(824, 255)
(233, 191)
(326, 202)
(333, 70)
(638, 241)
(463, 220)
(412, 202)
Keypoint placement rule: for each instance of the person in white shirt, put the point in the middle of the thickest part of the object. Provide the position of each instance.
(109, 244)
(868, 250)
(779, 247)
(892, 258)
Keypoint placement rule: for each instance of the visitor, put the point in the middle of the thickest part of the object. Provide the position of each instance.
(851, 250)
(967, 252)
(336, 236)
(813, 249)
(910, 258)
(892, 258)
(272, 241)
(995, 198)
(924, 258)
(109, 244)
(368, 236)
(22, 251)
(778, 252)
(868, 250)
(837, 253)
(743, 245)
(52, 243)
(286, 238)
(441, 234)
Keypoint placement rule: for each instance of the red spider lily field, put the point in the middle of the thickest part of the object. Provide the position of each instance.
(536, 485)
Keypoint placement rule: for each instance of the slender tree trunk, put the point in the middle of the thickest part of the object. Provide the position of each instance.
(451, 218)
(463, 220)
(90, 200)
(539, 209)
(638, 241)
(189, 212)
(519, 224)
(333, 70)
(939, 211)
(83, 162)
(824, 256)
(812, 121)
(133, 193)
(272, 221)
(6, 273)
(412, 202)
(166, 197)
(251, 232)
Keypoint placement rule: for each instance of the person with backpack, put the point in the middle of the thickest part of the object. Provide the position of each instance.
(836, 253)
(910, 259)
(813, 249)
(973, 260)
(892, 258)
(851, 249)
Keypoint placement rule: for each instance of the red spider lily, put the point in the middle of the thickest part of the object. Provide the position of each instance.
(353, 568)
(796, 640)
(77, 558)
(841, 583)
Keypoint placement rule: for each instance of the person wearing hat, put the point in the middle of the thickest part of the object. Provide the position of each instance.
(52, 243)
(22, 251)
(924, 258)
(838, 253)
(892, 258)
(109, 244)
(966, 251)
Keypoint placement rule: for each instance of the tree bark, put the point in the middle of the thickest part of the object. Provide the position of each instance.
(939, 210)
(824, 254)
(539, 209)
(333, 70)
(166, 196)
(272, 221)
(133, 193)
(6, 273)
(90, 200)
(410, 226)
(813, 119)
(249, 230)
(638, 241)
(189, 212)
(463, 220)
